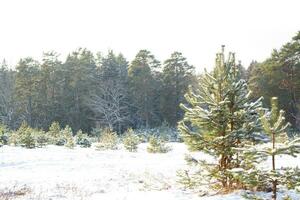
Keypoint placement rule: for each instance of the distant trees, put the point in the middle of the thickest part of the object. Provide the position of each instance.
(27, 91)
(86, 91)
(144, 86)
(279, 76)
(109, 100)
(7, 102)
(176, 77)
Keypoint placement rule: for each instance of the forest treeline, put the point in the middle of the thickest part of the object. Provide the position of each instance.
(90, 90)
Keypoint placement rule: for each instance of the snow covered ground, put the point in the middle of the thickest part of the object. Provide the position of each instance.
(58, 173)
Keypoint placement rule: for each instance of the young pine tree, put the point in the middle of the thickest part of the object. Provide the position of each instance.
(220, 117)
(275, 127)
(131, 140)
(55, 135)
(157, 145)
(68, 136)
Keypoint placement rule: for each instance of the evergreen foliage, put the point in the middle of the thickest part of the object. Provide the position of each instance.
(176, 77)
(219, 118)
(3, 135)
(41, 138)
(82, 139)
(68, 137)
(157, 145)
(278, 76)
(55, 135)
(13, 138)
(108, 140)
(26, 136)
(276, 128)
(131, 140)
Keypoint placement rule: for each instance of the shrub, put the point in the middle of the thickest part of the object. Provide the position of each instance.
(3, 135)
(27, 138)
(82, 139)
(131, 140)
(13, 139)
(96, 132)
(107, 140)
(157, 145)
(68, 137)
(54, 134)
(41, 138)
(165, 132)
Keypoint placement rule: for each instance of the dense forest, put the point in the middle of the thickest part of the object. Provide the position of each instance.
(90, 90)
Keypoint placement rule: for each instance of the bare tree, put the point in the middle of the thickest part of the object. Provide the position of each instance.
(110, 104)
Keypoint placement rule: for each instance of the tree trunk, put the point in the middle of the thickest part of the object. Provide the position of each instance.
(274, 182)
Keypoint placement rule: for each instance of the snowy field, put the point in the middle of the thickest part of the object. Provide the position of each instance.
(58, 173)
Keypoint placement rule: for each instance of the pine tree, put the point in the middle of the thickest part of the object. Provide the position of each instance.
(68, 136)
(82, 139)
(177, 76)
(131, 140)
(108, 140)
(275, 127)
(157, 145)
(143, 83)
(219, 118)
(55, 135)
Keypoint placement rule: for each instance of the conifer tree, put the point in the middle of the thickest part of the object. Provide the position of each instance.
(275, 127)
(131, 140)
(220, 117)
(68, 136)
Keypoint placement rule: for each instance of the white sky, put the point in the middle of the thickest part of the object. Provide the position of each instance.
(197, 28)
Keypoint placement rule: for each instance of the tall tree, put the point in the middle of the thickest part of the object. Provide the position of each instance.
(49, 86)
(279, 76)
(26, 90)
(144, 86)
(78, 74)
(219, 118)
(177, 76)
(7, 102)
(275, 127)
(109, 101)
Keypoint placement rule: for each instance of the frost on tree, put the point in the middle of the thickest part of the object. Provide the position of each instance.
(219, 117)
(275, 127)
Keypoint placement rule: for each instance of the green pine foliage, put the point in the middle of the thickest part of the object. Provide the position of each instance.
(219, 117)
(55, 135)
(82, 139)
(41, 138)
(68, 137)
(13, 138)
(26, 136)
(108, 140)
(157, 145)
(131, 140)
(275, 127)
(3, 135)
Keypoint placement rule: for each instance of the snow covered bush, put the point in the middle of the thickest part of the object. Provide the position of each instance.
(169, 134)
(13, 138)
(55, 135)
(3, 135)
(157, 145)
(26, 136)
(68, 137)
(41, 138)
(131, 140)
(107, 140)
(82, 139)
(96, 132)
(276, 128)
(219, 117)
